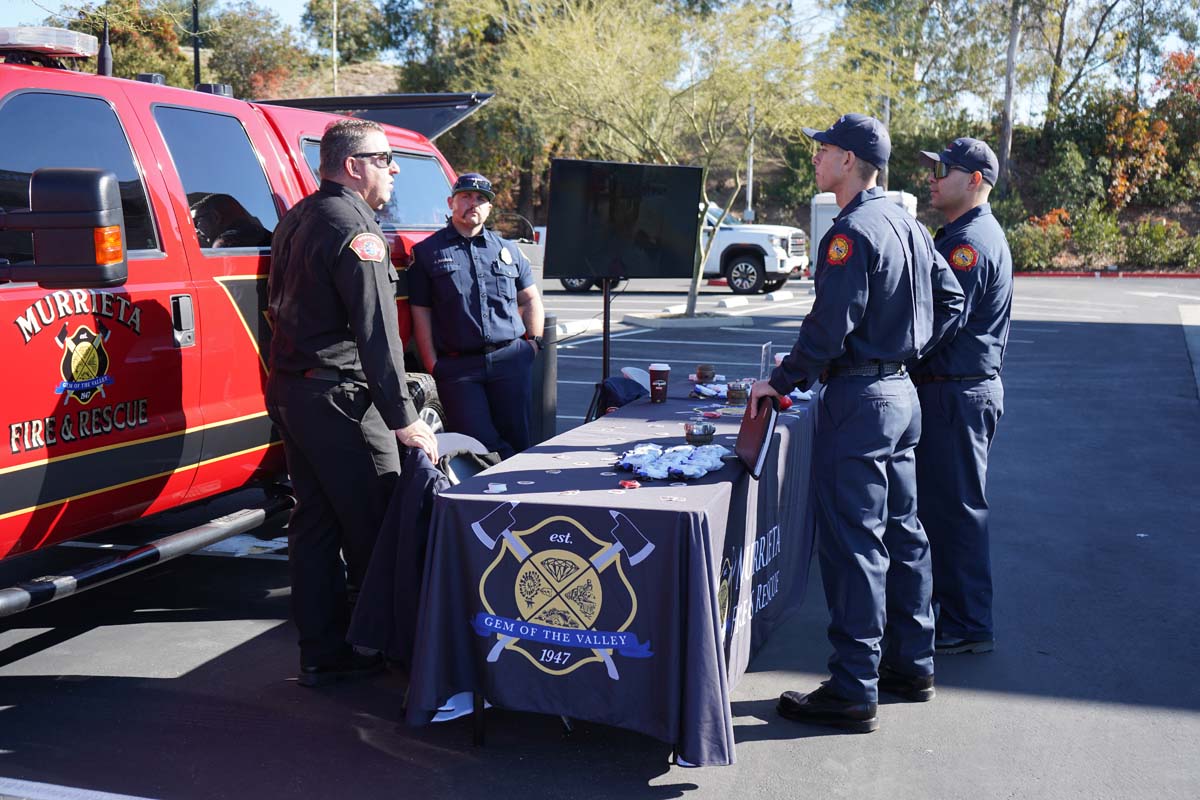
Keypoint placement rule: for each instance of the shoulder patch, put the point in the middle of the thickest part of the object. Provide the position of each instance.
(963, 257)
(839, 250)
(368, 247)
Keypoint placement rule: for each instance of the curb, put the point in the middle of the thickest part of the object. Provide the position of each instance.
(575, 327)
(775, 297)
(733, 302)
(715, 321)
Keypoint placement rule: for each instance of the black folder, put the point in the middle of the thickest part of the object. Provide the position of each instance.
(754, 435)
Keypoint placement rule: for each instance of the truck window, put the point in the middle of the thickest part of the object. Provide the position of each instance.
(227, 190)
(42, 129)
(419, 199)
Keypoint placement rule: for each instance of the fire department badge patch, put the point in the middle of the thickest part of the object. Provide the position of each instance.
(963, 257)
(505, 256)
(84, 364)
(839, 250)
(368, 247)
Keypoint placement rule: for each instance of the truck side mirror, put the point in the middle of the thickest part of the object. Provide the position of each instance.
(78, 230)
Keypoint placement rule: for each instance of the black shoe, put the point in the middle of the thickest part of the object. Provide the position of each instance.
(348, 668)
(823, 707)
(949, 646)
(911, 688)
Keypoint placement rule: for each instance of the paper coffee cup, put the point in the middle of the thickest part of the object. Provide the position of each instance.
(660, 374)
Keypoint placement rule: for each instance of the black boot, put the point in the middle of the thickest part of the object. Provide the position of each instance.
(823, 707)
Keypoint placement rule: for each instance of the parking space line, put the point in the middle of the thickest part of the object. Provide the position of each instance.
(629, 363)
(618, 335)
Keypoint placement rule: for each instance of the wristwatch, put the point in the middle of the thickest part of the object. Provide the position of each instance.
(536, 340)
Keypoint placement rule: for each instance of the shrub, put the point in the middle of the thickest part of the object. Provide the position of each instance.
(1191, 256)
(1035, 246)
(1156, 243)
(1096, 235)
(1009, 210)
(1180, 185)
(1070, 181)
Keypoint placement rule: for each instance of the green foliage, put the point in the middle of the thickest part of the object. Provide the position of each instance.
(361, 33)
(1180, 185)
(797, 184)
(1096, 235)
(1156, 244)
(1009, 210)
(1191, 258)
(1069, 181)
(252, 50)
(1034, 247)
(142, 39)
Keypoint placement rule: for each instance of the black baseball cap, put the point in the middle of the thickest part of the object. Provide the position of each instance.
(862, 135)
(474, 182)
(969, 154)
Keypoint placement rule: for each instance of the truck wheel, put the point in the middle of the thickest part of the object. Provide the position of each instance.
(576, 284)
(745, 274)
(774, 286)
(423, 389)
(433, 415)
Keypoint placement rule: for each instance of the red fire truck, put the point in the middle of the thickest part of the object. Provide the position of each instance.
(135, 243)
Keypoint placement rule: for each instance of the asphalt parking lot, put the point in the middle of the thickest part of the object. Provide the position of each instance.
(174, 683)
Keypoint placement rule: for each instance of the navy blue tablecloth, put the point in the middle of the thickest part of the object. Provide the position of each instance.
(641, 608)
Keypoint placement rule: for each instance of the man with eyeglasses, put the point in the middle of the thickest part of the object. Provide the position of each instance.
(337, 389)
(883, 296)
(962, 398)
(477, 319)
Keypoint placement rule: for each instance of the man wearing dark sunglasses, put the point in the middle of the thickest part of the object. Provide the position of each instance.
(962, 398)
(883, 297)
(337, 389)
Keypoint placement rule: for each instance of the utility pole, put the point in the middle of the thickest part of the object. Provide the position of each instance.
(749, 215)
(335, 48)
(196, 41)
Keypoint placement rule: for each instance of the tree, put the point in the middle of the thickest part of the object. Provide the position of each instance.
(180, 12)
(1015, 10)
(361, 32)
(1149, 23)
(252, 50)
(143, 39)
(629, 80)
(1075, 40)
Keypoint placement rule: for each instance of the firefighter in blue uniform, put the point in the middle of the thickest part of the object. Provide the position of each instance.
(477, 319)
(337, 390)
(962, 398)
(883, 295)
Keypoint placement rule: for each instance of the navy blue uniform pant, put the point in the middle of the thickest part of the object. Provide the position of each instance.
(960, 419)
(873, 553)
(487, 396)
(343, 461)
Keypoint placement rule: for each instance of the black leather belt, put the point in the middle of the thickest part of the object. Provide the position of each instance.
(483, 351)
(882, 370)
(325, 374)
(923, 379)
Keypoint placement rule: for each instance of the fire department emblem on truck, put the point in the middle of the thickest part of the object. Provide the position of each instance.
(84, 364)
(558, 595)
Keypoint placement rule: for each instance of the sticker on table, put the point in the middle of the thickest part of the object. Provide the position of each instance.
(607, 474)
(525, 483)
(677, 484)
(553, 471)
(558, 593)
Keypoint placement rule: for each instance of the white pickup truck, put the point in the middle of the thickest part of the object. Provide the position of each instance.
(752, 258)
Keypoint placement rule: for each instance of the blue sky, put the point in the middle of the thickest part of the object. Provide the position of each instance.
(32, 12)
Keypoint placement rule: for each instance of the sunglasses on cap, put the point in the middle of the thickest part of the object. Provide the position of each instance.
(386, 155)
(941, 169)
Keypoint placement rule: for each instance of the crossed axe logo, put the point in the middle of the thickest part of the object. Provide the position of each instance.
(497, 525)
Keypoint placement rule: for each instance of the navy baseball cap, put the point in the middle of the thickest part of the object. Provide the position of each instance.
(474, 182)
(862, 135)
(968, 154)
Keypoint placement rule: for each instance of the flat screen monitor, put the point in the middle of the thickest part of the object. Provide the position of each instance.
(613, 220)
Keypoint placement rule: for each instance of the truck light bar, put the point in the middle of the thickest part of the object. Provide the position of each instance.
(57, 42)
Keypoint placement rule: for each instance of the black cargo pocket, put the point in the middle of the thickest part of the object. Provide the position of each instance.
(351, 399)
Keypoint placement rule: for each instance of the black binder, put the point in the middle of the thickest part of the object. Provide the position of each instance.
(754, 435)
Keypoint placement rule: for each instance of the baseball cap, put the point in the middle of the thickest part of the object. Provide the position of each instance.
(969, 154)
(862, 135)
(474, 182)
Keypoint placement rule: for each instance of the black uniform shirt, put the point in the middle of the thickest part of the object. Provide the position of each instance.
(470, 286)
(333, 298)
(883, 294)
(977, 251)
